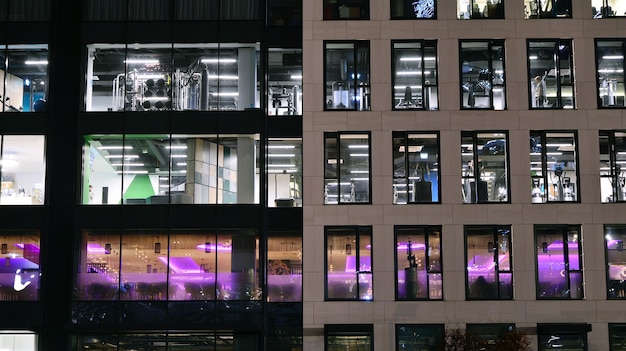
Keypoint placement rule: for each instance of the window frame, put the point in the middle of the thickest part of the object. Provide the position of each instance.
(538, 15)
(493, 248)
(434, 328)
(348, 330)
(480, 14)
(557, 43)
(405, 135)
(425, 44)
(328, 16)
(564, 231)
(599, 85)
(613, 330)
(337, 136)
(362, 84)
(491, 43)
(406, 16)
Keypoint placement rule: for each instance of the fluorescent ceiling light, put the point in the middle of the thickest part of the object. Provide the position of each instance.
(410, 73)
(132, 172)
(359, 155)
(613, 57)
(412, 148)
(281, 165)
(278, 171)
(358, 146)
(296, 76)
(115, 147)
(36, 62)
(404, 87)
(178, 156)
(176, 147)
(359, 179)
(218, 60)
(359, 172)
(127, 164)
(181, 163)
(281, 146)
(145, 61)
(223, 77)
(121, 156)
(281, 155)
(533, 57)
(225, 94)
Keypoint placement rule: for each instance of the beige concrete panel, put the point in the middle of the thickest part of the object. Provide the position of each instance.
(307, 29)
(566, 28)
(307, 315)
(312, 10)
(433, 120)
(313, 152)
(383, 190)
(515, 63)
(581, 10)
(586, 96)
(465, 29)
(584, 57)
(380, 51)
(400, 214)
(609, 213)
(588, 152)
(470, 213)
(573, 213)
(593, 236)
(380, 97)
(448, 53)
(404, 311)
(520, 190)
(330, 121)
(452, 290)
(313, 190)
(307, 214)
(332, 312)
(539, 213)
(330, 30)
(570, 119)
(331, 215)
(597, 338)
(434, 214)
(430, 29)
(510, 213)
(312, 62)
(380, 10)
(363, 120)
(536, 119)
(313, 343)
(595, 283)
(605, 119)
(507, 311)
(313, 258)
(312, 101)
(598, 28)
(434, 312)
(503, 120)
(525, 281)
(373, 312)
(543, 312)
(611, 311)
(385, 336)
(363, 30)
(513, 11)
(519, 157)
(517, 95)
(395, 30)
(382, 158)
(399, 120)
(579, 311)
(451, 189)
(621, 29)
(533, 28)
(450, 154)
(384, 258)
(497, 28)
(307, 121)
(449, 96)
(314, 288)
(473, 312)
(468, 120)
(365, 214)
(446, 10)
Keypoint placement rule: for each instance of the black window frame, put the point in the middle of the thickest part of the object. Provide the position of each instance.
(487, 77)
(614, 330)
(478, 13)
(554, 331)
(565, 11)
(337, 136)
(614, 237)
(603, 84)
(348, 330)
(396, 135)
(558, 45)
(492, 248)
(426, 85)
(359, 86)
(612, 155)
(408, 12)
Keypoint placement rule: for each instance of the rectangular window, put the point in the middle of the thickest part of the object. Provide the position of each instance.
(23, 169)
(416, 168)
(610, 65)
(20, 274)
(162, 169)
(420, 337)
(489, 273)
(559, 262)
(414, 75)
(23, 78)
(347, 176)
(476, 9)
(347, 75)
(612, 159)
(617, 337)
(354, 337)
(418, 263)
(551, 74)
(22, 340)
(490, 334)
(284, 14)
(566, 336)
(346, 10)
(554, 174)
(484, 167)
(284, 267)
(482, 74)
(412, 9)
(608, 8)
(615, 236)
(349, 263)
(284, 82)
(547, 9)
(181, 77)
(284, 172)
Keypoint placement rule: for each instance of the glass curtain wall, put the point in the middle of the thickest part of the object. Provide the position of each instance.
(346, 10)
(347, 168)
(480, 9)
(610, 65)
(614, 236)
(160, 10)
(489, 263)
(23, 78)
(418, 263)
(347, 75)
(612, 159)
(484, 167)
(554, 174)
(547, 9)
(416, 168)
(349, 263)
(284, 172)
(559, 262)
(413, 9)
(20, 251)
(179, 341)
(23, 169)
(414, 75)
(551, 74)
(284, 267)
(420, 337)
(482, 74)
(355, 337)
(284, 82)
(608, 8)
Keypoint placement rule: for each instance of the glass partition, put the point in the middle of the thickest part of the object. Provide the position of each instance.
(181, 77)
(553, 159)
(559, 262)
(347, 75)
(412, 9)
(284, 82)
(608, 8)
(418, 262)
(489, 263)
(20, 251)
(547, 9)
(482, 74)
(24, 78)
(349, 263)
(23, 169)
(415, 75)
(479, 9)
(612, 159)
(347, 168)
(484, 167)
(551, 74)
(610, 65)
(284, 267)
(284, 173)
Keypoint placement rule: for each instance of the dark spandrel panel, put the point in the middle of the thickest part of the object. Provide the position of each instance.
(240, 312)
(191, 312)
(143, 312)
(95, 312)
(29, 10)
(284, 314)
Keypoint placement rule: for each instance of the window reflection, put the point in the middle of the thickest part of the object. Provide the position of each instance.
(612, 159)
(482, 74)
(547, 9)
(608, 8)
(484, 167)
(284, 267)
(614, 236)
(476, 9)
(23, 78)
(347, 75)
(19, 274)
(415, 75)
(489, 268)
(551, 74)
(284, 173)
(23, 169)
(426, 337)
(349, 263)
(559, 257)
(411, 9)
(416, 168)
(347, 168)
(346, 9)
(610, 66)
(553, 159)
(418, 259)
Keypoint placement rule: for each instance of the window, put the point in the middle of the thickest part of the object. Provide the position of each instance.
(284, 14)
(284, 172)
(411, 9)
(20, 273)
(415, 75)
(346, 75)
(284, 267)
(284, 84)
(612, 158)
(608, 8)
(347, 168)
(489, 263)
(610, 65)
(23, 169)
(553, 159)
(196, 10)
(482, 74)
(614, 236)
(473, 9)
(209, 339)
(23, 77)
(566, 336)
(559, 262)
(416, 168)
(551, 74)
(19, 340)
(423, 337)
(349, 263)
(489, 333)
(346, 9)
(25, 10)
(484, 167)
(617, 337)
(162, 169)
(547, 9)
(155, 265)
(355, 337)
(418, 263)
(181, 77)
